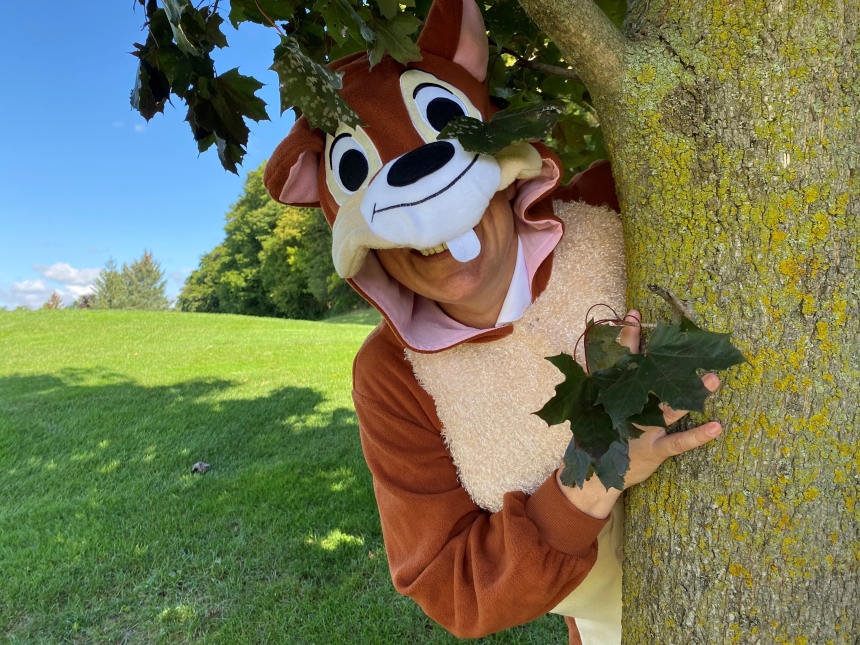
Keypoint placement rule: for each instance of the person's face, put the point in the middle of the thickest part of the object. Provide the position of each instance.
(441, 278)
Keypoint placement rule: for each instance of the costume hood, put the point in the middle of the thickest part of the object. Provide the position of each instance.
(391, 184)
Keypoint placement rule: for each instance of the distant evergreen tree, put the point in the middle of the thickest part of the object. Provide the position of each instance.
(140, 285)
(54, 302)
(109, 288)
(145, 285)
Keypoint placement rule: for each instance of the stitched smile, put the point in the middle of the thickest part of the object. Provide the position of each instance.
(428, 198)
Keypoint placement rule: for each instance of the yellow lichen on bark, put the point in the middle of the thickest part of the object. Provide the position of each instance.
(734, 143)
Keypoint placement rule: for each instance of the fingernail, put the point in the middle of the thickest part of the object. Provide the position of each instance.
(714, 429)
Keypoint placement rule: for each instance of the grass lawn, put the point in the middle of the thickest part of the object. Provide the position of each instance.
(107, 537)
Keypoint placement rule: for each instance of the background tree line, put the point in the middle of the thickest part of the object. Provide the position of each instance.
(139, 285)
(274, 261)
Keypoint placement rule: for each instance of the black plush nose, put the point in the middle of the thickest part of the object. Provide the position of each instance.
(419, 163)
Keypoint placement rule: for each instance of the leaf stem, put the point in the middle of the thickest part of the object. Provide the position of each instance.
(543, 68)
(266, 16)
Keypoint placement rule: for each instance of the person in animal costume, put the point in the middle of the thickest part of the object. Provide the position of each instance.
(479, 276)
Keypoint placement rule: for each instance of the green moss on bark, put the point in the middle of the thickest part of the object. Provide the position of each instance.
(734, 144)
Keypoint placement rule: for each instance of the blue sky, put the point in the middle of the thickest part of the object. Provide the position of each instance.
(82, 177)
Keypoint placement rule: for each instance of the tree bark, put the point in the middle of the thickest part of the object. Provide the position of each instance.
(735, 142)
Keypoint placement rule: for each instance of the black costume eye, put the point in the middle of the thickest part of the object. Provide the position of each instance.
(437, 105)
(441, 110)
(348, 162)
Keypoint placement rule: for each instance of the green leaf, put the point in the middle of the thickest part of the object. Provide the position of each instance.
(174, 10)
(569, 395)
(651, 415)
(229, 154)
(503, 129)
(575, 401)
(602, 348)
(213, 31)
(151, 91)
(248, 11)
(613, 465)
(216, 108)
(238, 92)
(603, 407)
(336, 20)
(577, 466)
(312, 88)
(392, 36)
(668, 368)
(342, 22)
(366, 32)
(388, 8)
(178, 68)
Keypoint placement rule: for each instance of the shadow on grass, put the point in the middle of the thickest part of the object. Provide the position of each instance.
(92, 457)
(107, 536)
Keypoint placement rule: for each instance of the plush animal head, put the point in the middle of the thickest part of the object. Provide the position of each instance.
(392, 184)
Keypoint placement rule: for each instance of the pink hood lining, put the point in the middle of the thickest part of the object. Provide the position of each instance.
(420, 322)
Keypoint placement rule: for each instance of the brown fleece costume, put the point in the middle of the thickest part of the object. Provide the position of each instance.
(478, 553)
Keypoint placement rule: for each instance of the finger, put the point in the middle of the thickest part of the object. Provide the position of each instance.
(630, 334)
(711, 381)
(670, 416)
(679, 442)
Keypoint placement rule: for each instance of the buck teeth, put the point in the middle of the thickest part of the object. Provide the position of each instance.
(434, 250)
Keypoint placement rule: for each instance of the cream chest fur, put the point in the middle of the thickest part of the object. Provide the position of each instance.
(486, 393)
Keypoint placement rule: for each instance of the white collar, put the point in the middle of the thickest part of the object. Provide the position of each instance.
(519, 295)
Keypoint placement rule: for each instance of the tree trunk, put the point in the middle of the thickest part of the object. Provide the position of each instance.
(734, 133)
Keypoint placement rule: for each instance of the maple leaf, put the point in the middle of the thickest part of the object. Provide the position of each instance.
(213, 31)
(613, 465)
(312, 88)
(593, 433)
(668, 368)
(602, 348)
(259, 11)
(174, 10)
(392, 36)
(387, 8)
(151, 87)
(602, 408)
(504, 128)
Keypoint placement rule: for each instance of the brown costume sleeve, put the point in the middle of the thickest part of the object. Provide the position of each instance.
(472, 571)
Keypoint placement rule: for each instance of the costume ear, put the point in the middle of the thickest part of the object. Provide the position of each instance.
(455, 31)
(291, 173)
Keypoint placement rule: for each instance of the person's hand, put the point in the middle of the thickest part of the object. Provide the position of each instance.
(656, 446)
(648, 451)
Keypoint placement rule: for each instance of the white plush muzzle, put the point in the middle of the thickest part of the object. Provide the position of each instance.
(410, 207)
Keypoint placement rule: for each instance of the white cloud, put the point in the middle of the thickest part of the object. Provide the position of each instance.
(76, 292)
(139, 127)
(29, 293)
(67, 274)
(69, 283)
(30, 286)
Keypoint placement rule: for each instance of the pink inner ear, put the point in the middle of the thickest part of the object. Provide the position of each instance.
(472, 49)
(301, 186)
